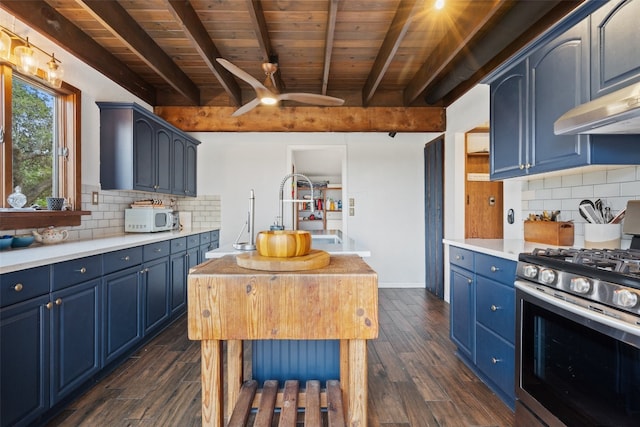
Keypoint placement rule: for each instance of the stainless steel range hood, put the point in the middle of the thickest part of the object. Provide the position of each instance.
(617, 112)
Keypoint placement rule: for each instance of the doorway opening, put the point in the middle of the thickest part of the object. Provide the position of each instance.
(483, 198)
(327, 166)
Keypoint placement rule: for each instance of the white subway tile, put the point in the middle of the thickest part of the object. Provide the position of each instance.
(606, 190)
(553, 182)
(582, 192)
(621, 175)
(596, 177)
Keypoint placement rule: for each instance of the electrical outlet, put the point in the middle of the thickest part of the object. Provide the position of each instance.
(94, 198)
(351, 211)
(352, 202)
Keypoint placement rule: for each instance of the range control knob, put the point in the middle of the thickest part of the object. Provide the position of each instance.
(625, 298)
(547, 276)
(530, 271)
(580, 285)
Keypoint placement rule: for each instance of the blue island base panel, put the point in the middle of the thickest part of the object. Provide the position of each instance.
(300, 360)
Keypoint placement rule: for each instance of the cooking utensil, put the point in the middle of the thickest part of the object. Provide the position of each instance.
(586, 202)
(589, 213)
(617, 219)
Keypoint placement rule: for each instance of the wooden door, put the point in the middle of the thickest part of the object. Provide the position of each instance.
(484, 201)
(433, 210)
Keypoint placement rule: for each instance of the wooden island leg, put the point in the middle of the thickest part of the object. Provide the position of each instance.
(235, 374)
(212, 383)
(357, 412)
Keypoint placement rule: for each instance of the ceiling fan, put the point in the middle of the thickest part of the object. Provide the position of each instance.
(267, 93)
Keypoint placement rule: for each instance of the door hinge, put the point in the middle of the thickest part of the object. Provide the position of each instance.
(63, 151)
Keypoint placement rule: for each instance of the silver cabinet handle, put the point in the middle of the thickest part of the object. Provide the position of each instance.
(126, 258)
(18, 287)
(469, 281)
(157, 250)
(494, 269)
(82, 270)
(495, 360)
(459, 257)
(494, 307)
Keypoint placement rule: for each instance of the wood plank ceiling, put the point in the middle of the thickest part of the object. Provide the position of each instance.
(375, 54)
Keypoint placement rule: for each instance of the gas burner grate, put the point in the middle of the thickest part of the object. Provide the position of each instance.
(625, 261)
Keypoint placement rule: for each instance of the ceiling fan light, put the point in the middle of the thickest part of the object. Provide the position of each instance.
(26, 60)
(268, 100)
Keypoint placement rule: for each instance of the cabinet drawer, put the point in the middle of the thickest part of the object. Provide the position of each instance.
(156, 250)
(119, 260)
(495, 307)
(461, 257)
(215, 235)
(193, 241)
(178, 245)
(495, 358)
(205, 238)
(76, 271)
(499, 269)
(24, 284)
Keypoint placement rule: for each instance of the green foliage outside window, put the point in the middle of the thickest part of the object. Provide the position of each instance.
(33, 129)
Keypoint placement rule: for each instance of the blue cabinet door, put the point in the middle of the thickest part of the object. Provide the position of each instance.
(558, 74)
(24, 352)
(122, 312)
(178, 283)
(75, 337)
(496, 360)
(144, 153)
(462, 311)
(508, 132)
(155, 288)
(178, 186)
(164, 159)
(615, 51)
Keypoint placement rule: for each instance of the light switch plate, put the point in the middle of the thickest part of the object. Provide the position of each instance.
(94, 198)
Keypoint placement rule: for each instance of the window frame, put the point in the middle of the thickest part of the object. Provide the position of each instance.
(70, 178)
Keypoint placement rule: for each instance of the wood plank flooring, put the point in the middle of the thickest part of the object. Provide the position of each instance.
(414, 377)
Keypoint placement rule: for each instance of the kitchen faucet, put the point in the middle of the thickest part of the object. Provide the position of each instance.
(280, 224)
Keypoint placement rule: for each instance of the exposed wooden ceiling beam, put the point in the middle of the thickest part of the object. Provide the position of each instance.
(43, 18)
(448, 49)
(190, 23)
(399, 27)
(518, 20)
(307, 119)
(116, 19)
(262, 35)
(328, 44)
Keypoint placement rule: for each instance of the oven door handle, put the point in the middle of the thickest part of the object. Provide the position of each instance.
(595, 316)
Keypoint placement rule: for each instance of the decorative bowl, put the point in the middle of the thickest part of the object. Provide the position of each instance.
(55, 203)
(22, 241)
(5, 242)
(283, 243)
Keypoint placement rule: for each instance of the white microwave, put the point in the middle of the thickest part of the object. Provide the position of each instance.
(149, 220)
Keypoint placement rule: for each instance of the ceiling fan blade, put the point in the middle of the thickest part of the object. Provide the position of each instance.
(241, 74)
(311, 98)
(246, 107)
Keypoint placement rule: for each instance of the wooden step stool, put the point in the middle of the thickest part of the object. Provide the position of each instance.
(288, 403)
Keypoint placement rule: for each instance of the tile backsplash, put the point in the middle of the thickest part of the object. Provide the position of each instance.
(107, 217)
(613, 185)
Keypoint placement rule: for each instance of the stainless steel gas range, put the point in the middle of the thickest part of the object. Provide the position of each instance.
(578, 338)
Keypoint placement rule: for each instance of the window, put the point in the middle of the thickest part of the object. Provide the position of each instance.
(40, 136)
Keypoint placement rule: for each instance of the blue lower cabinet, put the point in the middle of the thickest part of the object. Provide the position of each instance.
(462, 311)
(75, 337)
(495, 307)
(178, 283)
(155, 290)
(24, 352)
(495, 358)
(300, 360)
(121, 312)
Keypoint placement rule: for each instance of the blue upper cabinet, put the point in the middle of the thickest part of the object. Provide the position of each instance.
(558, 82)
(528, 97)
(508, 132)
(615, 47)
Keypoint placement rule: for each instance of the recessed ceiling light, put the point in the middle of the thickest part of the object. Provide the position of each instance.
(439, 4)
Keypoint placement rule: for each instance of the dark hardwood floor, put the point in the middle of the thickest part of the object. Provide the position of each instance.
(414, 377)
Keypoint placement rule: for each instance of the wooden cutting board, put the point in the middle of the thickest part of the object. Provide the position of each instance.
(314, 259)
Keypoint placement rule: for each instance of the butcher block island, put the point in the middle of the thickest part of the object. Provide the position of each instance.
(227, 302)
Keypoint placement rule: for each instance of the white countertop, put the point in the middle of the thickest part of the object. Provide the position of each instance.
(37, 254)
(503, 248)
(347, 247)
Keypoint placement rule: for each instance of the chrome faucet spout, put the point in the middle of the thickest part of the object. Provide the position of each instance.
(280, 222)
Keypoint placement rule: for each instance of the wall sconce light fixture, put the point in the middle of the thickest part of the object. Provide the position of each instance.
(25, 58)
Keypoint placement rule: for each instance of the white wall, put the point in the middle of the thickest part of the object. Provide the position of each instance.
(385, 176)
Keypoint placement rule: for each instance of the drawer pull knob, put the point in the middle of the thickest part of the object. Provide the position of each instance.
(82, 270)
(494, 307)
(18, 287)
(59, 301)
(495, 360)
(49, 305)
(469, 281)
(126, 258)
(459, 257)
(494, 269)
(158, 250)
